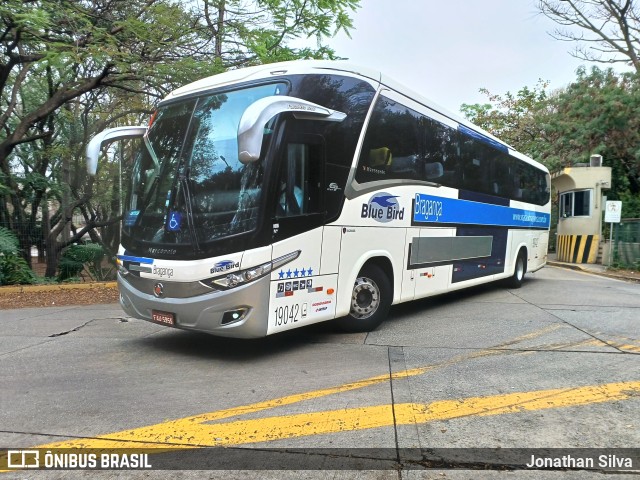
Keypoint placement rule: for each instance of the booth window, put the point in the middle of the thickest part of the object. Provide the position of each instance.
(575, 204)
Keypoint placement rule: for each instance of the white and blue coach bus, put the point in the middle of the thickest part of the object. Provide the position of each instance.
(277, 196)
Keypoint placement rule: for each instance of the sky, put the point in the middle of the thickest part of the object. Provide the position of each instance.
(447, 50)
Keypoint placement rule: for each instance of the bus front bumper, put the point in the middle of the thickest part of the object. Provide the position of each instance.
(206, 312)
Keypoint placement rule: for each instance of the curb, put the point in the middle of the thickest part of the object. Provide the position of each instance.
(570, 266)
(56, 288)
(615, 276)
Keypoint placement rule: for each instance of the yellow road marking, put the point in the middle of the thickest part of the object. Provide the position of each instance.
(291, 399)
(185, 433)
(589, 342)
(622, 343)
(198, 430)
(631, 348)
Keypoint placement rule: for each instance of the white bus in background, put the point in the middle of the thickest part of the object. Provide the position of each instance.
(277, 196)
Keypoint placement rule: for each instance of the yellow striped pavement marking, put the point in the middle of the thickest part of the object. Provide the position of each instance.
(187, 433)
(199, 431)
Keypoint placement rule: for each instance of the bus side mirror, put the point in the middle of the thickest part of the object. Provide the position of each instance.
(251, 127)
(106, 137)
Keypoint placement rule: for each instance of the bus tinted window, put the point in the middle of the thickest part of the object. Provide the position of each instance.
(402, 144)
(392, 145)
(441, 153)
(476, 165)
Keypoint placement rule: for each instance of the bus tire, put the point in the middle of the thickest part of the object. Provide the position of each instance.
(515, 281)
(370, 301)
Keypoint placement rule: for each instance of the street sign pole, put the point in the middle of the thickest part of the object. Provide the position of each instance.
(612, 214)
(610, 244)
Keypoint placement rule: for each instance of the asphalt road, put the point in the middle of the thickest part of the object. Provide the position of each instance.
(555, 364)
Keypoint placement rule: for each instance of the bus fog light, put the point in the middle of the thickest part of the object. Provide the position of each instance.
(231, 316)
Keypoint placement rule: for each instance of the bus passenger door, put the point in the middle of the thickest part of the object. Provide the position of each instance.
(299, 295)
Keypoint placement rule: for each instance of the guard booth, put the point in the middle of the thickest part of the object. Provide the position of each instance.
(580, 206)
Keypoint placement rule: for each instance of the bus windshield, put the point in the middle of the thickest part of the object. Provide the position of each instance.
(188, 186)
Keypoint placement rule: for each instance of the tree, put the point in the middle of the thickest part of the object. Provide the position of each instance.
(605, 30)
(512, 118)
(598, 113)
(245, 33)
(54, 55)
(69, 69)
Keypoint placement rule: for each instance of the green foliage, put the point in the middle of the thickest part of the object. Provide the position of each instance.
(8, 242)
(13, 268)
(68, 268)
(630, 203)
(598, 113)
(512, 118)
(69, 69)
(86, 258)
(263, 35)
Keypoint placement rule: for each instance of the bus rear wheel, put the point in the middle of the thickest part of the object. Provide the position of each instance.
(515, 281)
(370, 301)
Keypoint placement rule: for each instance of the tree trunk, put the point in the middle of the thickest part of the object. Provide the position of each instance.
(53, 255)
(46, 229)
(24, 238)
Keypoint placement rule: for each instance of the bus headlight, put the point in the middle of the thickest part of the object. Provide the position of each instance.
(231, 280)
(248, 275)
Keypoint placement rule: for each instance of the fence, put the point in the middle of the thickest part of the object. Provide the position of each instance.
(33, 248)
(28, 234)
(626, 252)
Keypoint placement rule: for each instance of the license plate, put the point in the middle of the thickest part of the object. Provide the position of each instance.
(165, 318)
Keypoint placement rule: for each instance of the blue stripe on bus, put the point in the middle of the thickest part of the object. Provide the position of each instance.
(483, 138)
(439, 210)
(129, 258)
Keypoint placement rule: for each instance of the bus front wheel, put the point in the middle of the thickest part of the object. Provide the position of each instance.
(370, 300)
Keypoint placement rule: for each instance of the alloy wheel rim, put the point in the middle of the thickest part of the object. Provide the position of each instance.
(365, 298)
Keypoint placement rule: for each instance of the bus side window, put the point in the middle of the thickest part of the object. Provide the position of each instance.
(475, 165)
(379, 158)
(300, 180)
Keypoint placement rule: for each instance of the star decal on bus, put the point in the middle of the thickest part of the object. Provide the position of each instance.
(297, 273)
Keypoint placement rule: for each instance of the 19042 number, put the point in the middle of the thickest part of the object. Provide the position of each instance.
(287, 314)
